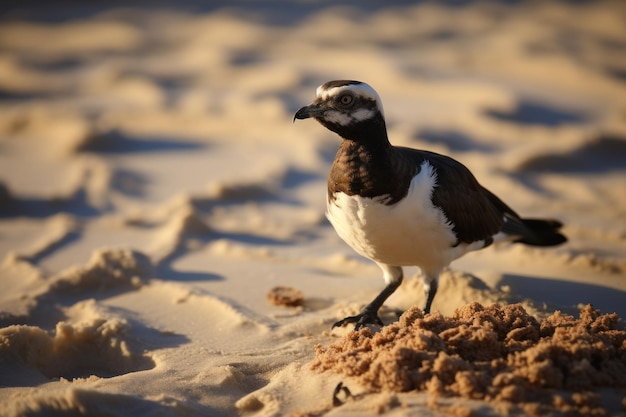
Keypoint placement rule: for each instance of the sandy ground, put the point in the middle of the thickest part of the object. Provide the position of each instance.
(153, 190)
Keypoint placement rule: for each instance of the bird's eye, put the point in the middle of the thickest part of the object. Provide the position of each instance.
(346, 99)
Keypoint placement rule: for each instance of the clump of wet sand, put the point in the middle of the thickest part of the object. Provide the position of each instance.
(500, 354)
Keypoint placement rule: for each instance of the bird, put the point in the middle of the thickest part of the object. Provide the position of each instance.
(400, 206)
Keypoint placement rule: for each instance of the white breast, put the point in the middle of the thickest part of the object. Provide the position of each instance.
(410, 232)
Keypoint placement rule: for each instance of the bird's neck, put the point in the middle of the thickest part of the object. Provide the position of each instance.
(371, 133)
(363, 167)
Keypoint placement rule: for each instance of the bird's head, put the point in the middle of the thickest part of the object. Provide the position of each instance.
(352, 109)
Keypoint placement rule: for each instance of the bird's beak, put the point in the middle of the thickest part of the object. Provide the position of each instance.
(312, 110)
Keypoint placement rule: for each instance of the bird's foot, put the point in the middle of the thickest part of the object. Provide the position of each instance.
(365, 317)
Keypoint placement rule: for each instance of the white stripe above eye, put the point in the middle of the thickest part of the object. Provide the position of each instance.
(361, 90)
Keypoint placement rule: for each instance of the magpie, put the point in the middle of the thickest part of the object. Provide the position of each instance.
(400, 206)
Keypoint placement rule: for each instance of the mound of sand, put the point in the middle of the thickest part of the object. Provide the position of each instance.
(66, 402)
(498, 354)
(95, 345)
(106, 269)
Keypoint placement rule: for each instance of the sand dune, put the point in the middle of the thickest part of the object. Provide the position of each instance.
(153, 191)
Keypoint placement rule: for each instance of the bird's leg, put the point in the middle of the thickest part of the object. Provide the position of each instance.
(430, 289)
(369, 313)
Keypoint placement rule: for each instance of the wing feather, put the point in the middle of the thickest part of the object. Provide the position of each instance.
(475, 213)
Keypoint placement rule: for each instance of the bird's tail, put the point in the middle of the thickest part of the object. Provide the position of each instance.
(541, 232)
(535, 232)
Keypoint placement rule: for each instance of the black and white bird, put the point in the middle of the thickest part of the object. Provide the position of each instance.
(406, 207)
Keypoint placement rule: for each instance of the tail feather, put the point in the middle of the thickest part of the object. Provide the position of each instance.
(535, 232)
(540, 232)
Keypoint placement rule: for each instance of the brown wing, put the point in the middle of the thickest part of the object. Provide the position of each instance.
(468, 206)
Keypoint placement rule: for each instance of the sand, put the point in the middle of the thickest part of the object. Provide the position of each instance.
(163, 245)
(501, 355)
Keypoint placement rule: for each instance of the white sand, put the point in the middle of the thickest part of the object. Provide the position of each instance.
(153, 189)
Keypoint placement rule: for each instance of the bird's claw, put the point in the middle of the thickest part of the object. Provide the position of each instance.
(360, 320)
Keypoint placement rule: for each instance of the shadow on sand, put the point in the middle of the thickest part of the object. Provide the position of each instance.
(567, 293)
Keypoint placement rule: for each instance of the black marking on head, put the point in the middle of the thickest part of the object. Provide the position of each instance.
(338, 83)
(344, 118)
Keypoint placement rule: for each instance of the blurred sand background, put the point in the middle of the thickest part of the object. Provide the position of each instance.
(153, 188)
